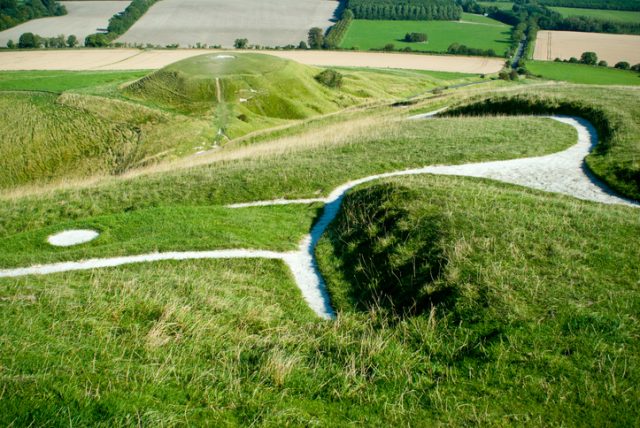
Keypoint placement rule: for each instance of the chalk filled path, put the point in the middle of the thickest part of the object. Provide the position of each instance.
(561, 172)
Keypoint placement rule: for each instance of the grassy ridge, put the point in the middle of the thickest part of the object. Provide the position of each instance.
(99, 125)
(305, 169)
(615, 112)
(367, 35)
(521, 313)
(584, 74)
(50, 138)
(542, 332)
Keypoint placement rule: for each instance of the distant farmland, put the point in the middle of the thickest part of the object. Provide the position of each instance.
(606, 15)
(473, 31)
(220, 22)
(566, 44)
(584, 74)
(84, 18)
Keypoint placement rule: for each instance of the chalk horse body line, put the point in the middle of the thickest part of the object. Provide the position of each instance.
(561, 172)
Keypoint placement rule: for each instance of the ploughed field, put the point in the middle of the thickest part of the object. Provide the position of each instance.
(83, 18)
(566, 44)
(220, 22)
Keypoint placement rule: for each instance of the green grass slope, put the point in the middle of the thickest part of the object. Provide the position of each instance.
(614, 111)
(481, 310)
(581, 73)
(296, 171)
(484, 34)
(536, 331)
(72, 126)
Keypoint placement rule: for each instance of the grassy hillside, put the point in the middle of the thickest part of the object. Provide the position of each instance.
(460, 301)
(308, 166)
(75, 125)
(367, 35)
(615, 112)
(581, 73)
(502, 5)
(479, 301)
(539, 332)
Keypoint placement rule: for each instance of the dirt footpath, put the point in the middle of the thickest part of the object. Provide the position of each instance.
(566, 44)
(133, 59)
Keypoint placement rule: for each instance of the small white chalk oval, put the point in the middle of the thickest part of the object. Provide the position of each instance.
(225, 57)
(69, 238)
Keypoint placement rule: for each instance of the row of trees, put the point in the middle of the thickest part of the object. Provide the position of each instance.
(14, 12)
(405, 10)
(547, 19)
(120, 23)
(591, 58)
(458, 49)
(595, 4)
(32, 41)
(339, 30)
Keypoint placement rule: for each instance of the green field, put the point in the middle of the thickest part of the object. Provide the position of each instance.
(459, 301)
(483, 34)
(605, 15)
(502, 5)
(581, 73)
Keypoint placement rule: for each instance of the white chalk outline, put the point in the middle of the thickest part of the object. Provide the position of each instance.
(540, 172)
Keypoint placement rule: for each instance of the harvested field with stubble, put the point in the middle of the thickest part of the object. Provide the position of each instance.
(83, 18)
(133, 59)
(566, 44)
(219, 22)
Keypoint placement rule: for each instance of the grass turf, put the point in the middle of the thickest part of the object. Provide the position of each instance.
(304, 169)
(163, 229)
(581, 73)
(365, 35)
(541, 332)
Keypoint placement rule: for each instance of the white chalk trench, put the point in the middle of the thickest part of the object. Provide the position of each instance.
(561, 172)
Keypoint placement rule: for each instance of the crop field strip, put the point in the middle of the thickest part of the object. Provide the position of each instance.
(83, 18)
(566, 44)
(220, 22)
(131, 59)
(583, 74)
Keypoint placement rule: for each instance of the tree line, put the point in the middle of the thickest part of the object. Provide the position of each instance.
(405, 10)
(120, 23)
(532, 11)
(13, 12)
(595, 4)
